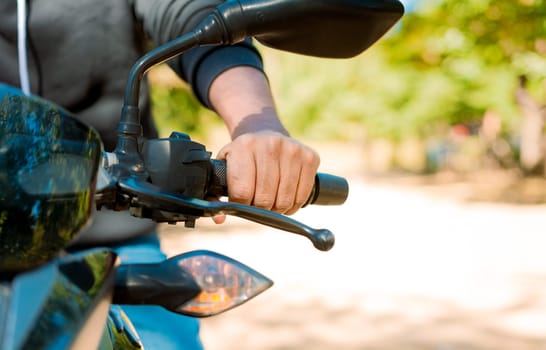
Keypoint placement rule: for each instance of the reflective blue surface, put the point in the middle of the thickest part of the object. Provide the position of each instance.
(50, 307)
(48, 166)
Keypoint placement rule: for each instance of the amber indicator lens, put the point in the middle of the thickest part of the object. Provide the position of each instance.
(225, 283)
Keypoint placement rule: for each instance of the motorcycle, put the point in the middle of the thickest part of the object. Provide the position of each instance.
(53, 172)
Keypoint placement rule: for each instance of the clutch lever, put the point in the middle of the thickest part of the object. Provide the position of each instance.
(147, 195)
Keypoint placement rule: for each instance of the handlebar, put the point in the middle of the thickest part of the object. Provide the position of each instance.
(178, 175)
(181, 165)
(328, 189)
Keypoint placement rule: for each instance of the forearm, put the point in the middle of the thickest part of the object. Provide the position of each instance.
(242, 98)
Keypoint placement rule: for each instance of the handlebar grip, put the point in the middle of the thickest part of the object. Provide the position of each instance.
(328, 189)
(218, 179)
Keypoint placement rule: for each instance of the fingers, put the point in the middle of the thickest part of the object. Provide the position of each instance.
(270, 171)
(219, 219)
(267, 156)
(290, 169)
(310, 162)
(241, 170)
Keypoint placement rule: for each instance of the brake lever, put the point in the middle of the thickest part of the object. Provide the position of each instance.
(145, 194)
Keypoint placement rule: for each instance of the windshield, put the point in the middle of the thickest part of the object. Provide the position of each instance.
(48, 166)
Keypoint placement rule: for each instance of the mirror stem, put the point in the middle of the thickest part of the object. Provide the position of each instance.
(130, 128)
(211, 31)
(130, 117)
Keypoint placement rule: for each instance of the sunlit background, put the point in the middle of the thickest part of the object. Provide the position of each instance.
(440, 130)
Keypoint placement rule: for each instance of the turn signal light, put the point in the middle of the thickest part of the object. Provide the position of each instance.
(225, 283)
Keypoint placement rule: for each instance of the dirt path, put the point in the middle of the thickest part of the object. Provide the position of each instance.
(411, 269)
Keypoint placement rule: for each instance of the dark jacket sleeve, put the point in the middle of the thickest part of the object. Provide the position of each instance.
(164, 20)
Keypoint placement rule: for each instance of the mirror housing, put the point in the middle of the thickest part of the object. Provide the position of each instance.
(321, 28)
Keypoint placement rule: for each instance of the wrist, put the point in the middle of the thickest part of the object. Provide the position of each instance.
(242, 98)
(257, 122)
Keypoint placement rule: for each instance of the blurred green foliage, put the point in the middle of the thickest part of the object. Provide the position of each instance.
(176, 109)
(447, 62)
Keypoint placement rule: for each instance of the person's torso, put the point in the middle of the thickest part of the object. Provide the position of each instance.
(79, 55)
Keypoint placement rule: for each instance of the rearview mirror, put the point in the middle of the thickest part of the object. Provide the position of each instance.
(322, 28)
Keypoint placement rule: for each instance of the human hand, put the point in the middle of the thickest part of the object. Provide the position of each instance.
(269, 170)
(266, 168)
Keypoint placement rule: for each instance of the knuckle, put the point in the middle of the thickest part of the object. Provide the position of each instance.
(312, 158)
(274, 141)
(246, 140)
(273, 146)
(240, 195)
(263, 201)
(291, 151)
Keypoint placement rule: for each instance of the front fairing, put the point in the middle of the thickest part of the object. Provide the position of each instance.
(61, 304)
(48, 169)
